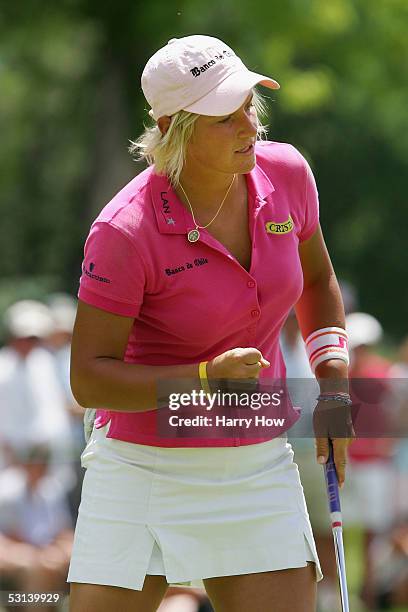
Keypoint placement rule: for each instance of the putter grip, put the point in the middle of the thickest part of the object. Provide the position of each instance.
(332, 482)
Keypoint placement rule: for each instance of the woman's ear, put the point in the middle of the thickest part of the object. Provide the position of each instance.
(164, 124)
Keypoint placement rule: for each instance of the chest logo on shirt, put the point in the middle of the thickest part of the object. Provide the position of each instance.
(199, 261)
(272, 227)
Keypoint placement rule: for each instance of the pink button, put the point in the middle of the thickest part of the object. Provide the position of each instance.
(255, 313)
(251, 284)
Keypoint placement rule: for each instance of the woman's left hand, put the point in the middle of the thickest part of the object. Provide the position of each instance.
(332, 421)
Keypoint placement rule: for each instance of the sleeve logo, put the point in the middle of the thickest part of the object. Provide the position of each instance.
(272, 227)
(89, 274)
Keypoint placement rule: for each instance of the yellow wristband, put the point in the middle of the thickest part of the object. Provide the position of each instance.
(202, 371)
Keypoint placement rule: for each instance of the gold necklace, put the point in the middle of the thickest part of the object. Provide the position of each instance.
(194, 235)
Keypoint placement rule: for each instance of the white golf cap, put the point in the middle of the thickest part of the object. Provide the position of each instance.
(28, 318)
(363, 328)
(199, 74)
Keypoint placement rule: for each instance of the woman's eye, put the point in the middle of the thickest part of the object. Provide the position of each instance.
(248, 108)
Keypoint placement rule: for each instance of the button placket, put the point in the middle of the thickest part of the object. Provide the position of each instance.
(260, 202)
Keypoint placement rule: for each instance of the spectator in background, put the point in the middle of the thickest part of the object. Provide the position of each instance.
(349, 295)
(32, 405)
(35, 526)
(390, 550)
(399, 388)
(63, 309)
(368, 498)
(390, 555)
(400, 367)
(180, 599)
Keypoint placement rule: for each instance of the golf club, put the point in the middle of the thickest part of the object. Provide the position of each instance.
(337, 525)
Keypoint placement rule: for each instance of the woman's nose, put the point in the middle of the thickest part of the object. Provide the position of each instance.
(248, 126)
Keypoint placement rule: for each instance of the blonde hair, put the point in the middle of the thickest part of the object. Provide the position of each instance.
(168, 152)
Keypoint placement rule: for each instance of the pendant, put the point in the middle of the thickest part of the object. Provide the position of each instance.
(193, 235)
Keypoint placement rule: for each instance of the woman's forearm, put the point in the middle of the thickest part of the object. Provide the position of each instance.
(321, 305)
(113, 384)
(333, 376)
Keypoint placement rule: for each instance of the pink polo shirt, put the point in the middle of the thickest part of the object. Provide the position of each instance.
(192, 301)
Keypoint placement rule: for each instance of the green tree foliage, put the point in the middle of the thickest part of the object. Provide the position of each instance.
(70, 101)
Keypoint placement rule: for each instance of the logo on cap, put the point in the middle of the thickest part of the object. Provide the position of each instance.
(198, 70)
(272, 227)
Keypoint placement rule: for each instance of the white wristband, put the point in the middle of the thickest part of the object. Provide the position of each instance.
(327, 343)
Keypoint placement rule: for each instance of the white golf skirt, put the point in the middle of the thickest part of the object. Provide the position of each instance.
(188, 513)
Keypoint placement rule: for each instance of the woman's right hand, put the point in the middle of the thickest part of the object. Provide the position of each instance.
(237, 363)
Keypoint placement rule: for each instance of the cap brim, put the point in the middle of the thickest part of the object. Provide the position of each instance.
(230, 94)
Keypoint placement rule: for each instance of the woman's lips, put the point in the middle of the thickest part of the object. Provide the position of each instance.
(247, 150)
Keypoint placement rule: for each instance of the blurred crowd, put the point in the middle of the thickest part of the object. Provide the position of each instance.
(41, 440)
(375, 497)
